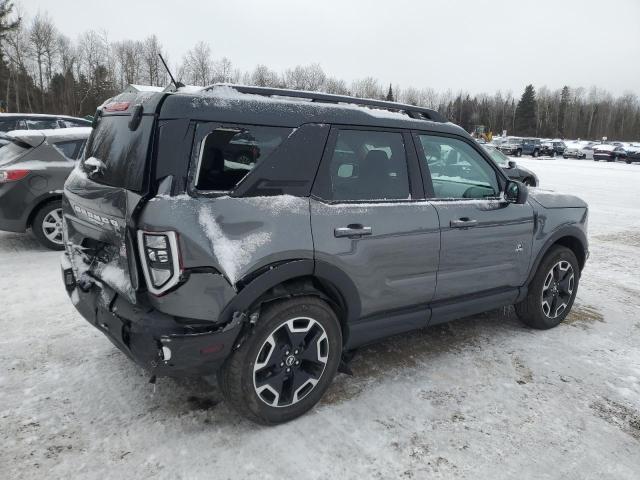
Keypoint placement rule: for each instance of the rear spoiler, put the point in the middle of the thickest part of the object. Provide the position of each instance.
(30, 138)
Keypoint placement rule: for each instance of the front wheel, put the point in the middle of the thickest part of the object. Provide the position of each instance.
(286, 362)
(535, 153)
(47, 225)
(552, 291)
(518, 153)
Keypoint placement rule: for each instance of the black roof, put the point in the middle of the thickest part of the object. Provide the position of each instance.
(292, 108)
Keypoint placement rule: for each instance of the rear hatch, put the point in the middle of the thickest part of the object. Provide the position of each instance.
(104, 191)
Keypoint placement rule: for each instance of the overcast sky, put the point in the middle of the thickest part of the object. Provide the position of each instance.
(472, 45)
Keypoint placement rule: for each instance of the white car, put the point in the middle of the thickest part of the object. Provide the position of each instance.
(580, 149)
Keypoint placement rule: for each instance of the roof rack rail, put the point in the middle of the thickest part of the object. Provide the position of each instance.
(419, 113)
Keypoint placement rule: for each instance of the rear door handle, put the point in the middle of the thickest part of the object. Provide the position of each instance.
(352, 231)
(463, 223)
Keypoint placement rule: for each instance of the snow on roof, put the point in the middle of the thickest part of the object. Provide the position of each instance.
(145, 88)
(605, 148)
(39, 115)
(227, 93)
(54, 133)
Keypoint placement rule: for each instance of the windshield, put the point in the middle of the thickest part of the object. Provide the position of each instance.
(117, 156)
(497, 156)
(11, 150)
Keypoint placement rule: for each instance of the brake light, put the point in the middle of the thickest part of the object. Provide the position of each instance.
(7, 176)
(160, 260)
(116, 106)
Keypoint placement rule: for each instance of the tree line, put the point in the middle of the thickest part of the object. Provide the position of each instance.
(42, 70)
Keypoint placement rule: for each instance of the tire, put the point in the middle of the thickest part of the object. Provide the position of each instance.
(553, 155)
(552, 290)
(565, 156)
(627, 161)
(243, 377)
(535, 153)
(518, 153)
(47, 225)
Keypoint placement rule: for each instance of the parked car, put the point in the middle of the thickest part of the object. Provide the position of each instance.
(354, 224)
(579, 150)
(609, 153)
(30, 121)
(633, 153)
(511, 146)
(510, 168)
(558, 146)
(531, 146)
(547, 149)
(34, 165)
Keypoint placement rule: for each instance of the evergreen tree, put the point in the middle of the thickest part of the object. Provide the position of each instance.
(562, 110)
(525, 121)
(390, 95)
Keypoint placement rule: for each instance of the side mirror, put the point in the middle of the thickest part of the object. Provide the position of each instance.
(516, 192)
(512, 164)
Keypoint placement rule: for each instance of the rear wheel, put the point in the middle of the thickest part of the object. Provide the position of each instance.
(535, 153)
(552, 291)
(47, 225)
(286, 363)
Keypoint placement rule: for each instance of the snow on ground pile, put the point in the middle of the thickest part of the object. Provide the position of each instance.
(479, 398)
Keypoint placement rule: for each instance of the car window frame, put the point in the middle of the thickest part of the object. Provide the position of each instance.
(202, 130)
(322, 181)
(426, 173)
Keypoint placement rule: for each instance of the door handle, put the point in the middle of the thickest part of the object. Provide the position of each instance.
(354, 230)
(463, 222)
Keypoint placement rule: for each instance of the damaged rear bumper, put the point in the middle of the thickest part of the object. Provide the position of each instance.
(156, 341)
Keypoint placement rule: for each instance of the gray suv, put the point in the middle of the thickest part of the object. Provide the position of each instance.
(33, 168)
(344, 221)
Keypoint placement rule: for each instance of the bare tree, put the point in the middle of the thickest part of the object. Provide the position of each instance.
(262, 76)
(42, 40)
(198, 64)
(305, 77)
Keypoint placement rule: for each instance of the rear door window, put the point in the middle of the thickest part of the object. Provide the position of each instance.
(228, 154)
(366, 165)
(9, 124)
(41, 124)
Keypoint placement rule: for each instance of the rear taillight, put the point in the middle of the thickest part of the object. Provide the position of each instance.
(160, 260)
(7, 176)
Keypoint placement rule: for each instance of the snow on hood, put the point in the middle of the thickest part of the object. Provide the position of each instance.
(604, 148)
(551, 199)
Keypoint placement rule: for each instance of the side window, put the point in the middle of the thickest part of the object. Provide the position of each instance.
(70, 149)
(42, 124)
(367, 165)
(227, 155)
(8, 125)
(457, 169)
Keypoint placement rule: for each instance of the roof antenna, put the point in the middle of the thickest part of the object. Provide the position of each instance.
(173, 80)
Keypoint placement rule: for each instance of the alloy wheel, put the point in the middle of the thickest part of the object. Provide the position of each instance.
(52, 226)
(557, 289)
(290, 362)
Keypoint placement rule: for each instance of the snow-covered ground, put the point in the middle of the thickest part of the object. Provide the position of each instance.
(478, 398)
